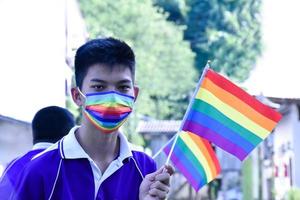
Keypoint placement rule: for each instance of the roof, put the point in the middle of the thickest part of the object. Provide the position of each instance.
(10, 119)
(158, 126)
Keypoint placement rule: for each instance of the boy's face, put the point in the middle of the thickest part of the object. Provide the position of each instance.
(101, 78)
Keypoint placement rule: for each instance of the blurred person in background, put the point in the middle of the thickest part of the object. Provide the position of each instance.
(49, 125)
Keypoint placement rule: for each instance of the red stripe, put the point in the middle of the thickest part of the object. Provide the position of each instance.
(109, 110)
(212, 155)
(242, 95)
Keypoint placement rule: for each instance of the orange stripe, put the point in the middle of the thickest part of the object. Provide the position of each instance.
(213, 155)
(230, 87)
(203, 149)
(238, 105)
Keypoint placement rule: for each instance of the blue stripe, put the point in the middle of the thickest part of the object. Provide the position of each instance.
(105, 124)
(181, 155)
(110, 92)
(219, 128)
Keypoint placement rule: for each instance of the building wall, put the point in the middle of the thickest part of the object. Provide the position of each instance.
(285, 145)
(231, 175)
(15, 139)
(296, 148)
(157, 141)
(255, 173)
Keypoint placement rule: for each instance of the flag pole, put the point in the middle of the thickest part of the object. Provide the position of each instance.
(160, 150)
(186, 112)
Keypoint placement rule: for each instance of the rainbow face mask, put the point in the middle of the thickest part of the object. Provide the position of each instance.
(107, 110)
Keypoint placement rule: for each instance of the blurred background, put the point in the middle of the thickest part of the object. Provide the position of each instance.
(253, 42)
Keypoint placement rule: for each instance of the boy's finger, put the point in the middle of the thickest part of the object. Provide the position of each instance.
(163, 177)
(152, 175)
(169, 169)
(158, 193)
(159, 185)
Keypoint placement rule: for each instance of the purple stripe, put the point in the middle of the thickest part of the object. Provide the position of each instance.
(108, 117)
(214, 137)
(182, 168)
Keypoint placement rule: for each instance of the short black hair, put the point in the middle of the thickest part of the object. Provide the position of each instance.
(106, 51)
(51, 123)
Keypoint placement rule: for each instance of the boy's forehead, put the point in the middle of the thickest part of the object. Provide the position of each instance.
(109, 73)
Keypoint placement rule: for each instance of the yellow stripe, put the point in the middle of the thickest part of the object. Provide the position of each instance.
(231, 113)
(198, 154)
(238, 104)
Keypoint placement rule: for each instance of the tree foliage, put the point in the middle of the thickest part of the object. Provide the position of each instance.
(224, 31)
(165, 71)
(175, 9)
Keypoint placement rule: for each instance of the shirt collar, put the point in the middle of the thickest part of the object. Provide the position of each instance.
(71, 149)
(41, 145)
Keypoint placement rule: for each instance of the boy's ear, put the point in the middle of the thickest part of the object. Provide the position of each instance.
(136, 92)
(77, 98)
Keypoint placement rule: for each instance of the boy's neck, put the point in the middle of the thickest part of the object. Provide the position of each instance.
(102, 148)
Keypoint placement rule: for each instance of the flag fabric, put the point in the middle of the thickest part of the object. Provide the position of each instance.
(195, 158)
(229, 117)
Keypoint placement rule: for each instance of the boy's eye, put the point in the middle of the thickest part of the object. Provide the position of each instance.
(124, 87)
(98, 87)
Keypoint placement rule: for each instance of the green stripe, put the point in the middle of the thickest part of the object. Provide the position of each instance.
(108, 104)
(232, 113)
(207, 109)
(93, 101)
(191, 157)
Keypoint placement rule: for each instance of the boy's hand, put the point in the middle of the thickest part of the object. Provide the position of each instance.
(156, 185)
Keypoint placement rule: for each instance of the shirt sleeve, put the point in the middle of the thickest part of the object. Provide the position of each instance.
(145, 162)
(30, 185)
(7, 188)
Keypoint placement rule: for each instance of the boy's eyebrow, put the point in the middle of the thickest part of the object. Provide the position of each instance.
(125, 81)
(102, 81)
(98, 80)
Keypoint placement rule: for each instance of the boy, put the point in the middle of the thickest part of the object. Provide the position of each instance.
(49, 125)
(95, 161)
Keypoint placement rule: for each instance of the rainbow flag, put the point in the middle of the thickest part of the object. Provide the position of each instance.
(195, 158)
(227, 116)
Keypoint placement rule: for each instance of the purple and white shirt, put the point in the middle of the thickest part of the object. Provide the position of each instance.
(65, 171)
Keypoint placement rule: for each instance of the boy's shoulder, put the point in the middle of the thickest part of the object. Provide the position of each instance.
(42, 160)
(139, 153)
(144, 161)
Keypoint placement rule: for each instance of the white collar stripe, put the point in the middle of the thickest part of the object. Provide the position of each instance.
(71, 149)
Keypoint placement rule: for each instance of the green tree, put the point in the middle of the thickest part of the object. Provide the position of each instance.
(165, 70)
(175, 9)
(224, 31)
(293, 194)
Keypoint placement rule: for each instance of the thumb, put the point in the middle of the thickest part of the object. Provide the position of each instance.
(169, 169)
(152, 175)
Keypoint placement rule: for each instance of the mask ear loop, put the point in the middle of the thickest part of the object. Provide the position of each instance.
(82, 96)
(81, 93)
